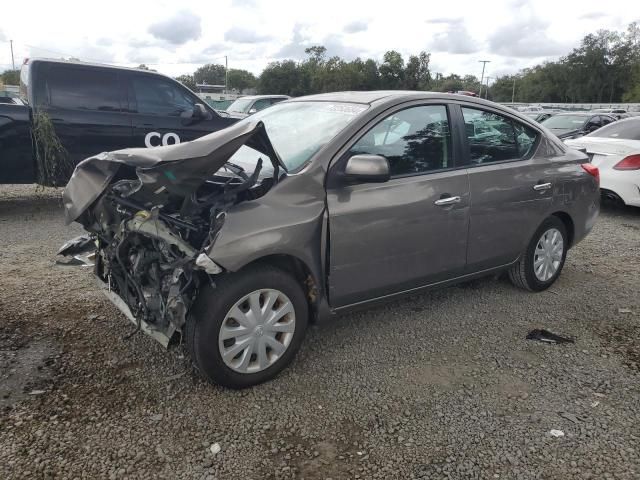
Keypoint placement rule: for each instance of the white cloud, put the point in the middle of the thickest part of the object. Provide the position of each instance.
(245, 35)
(356, 26)
(177, 37)
(178, 29)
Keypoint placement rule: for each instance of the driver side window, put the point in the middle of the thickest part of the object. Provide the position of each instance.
(156, 96)
(415, 140)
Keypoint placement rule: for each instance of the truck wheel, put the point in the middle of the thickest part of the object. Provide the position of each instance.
(542, 261)
(248, 328)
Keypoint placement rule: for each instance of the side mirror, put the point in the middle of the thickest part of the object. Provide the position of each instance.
(367, 169)
(252, 110)
(200, 111)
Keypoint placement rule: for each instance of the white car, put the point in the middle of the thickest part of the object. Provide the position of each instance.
(615, 150)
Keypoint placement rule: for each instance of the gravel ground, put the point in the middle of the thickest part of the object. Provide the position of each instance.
(439, 385)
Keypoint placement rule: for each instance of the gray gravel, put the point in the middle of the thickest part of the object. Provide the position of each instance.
(440, 385)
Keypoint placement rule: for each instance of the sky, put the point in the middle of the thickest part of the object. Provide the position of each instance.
(177, 37)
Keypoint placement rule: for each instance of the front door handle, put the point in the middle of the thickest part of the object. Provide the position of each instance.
(542, 186)
(447, 201)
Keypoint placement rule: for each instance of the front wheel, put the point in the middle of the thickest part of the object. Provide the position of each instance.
(248, 328)
(542, 262)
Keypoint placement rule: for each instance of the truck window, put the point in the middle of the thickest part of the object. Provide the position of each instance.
(83, 88)
(157, 96)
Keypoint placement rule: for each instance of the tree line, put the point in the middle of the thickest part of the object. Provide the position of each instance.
(604, 68)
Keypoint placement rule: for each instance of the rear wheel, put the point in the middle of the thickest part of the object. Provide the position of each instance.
(542, 262)
(248, 328)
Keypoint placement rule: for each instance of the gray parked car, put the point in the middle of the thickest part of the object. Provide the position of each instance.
(234, 242)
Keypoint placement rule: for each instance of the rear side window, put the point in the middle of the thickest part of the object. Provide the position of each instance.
(157, 96)
(83, 89)
(415, 140)
(494, 138)
(261, 104)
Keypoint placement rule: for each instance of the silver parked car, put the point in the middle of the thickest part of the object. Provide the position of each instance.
(234, 242)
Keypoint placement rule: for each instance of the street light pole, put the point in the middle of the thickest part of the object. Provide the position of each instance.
(484, 63)
(226, 74)
(13, 63)
(486, 93)
(513, 92)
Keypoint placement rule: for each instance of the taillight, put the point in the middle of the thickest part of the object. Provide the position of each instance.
(632, 162)
(592, 170)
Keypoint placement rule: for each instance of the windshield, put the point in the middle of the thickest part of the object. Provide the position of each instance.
(297, 130)
(625, 129)
(569, 122)
(241, 105)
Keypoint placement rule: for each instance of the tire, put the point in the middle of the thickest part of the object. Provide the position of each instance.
(523, 273)
(212, 314)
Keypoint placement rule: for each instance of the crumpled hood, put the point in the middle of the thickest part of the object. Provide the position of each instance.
(180, 169)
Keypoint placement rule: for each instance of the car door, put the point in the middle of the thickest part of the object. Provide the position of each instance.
(163, 112)
(86, 106)
(511, 189)
(406, 232)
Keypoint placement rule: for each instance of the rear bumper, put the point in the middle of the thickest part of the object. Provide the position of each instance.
(624, 183)
(124, 308)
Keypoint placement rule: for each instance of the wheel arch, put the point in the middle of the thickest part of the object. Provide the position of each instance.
(567, 221)
(298, 268)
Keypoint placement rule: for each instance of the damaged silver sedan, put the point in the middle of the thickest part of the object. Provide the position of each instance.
(233, 242)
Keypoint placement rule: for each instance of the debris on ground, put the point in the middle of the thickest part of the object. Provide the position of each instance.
(556, 433)
(546, 336)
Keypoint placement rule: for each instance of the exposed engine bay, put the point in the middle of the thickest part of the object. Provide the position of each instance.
(152, 227)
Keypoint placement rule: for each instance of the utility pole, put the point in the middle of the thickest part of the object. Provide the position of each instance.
(486, 93)
(13, 63)
(513, 92)
(226, 73)
(484, 63)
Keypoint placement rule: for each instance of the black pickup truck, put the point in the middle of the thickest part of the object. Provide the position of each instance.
(75, 110)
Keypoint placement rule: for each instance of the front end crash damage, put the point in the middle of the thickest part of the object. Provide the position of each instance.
(154, 215)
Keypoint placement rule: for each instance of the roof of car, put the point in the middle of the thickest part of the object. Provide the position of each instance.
(257, 97)
(583, 114)
(377, 95)
(91, 64)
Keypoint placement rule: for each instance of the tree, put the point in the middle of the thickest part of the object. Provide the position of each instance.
(417, 75)
(187, 81)
(210, 74)
(10, 77)
(142, 66)
(284, 78)
(241, 79)
(392, 71)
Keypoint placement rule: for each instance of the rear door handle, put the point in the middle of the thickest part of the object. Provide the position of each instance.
(542, 186)
(447, 201)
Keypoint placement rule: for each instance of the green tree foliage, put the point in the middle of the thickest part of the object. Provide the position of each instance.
(317, 74)
(392, 73)
(604, 68)
(241, 79)
(10, 77)
(187, 81)
(211, 74)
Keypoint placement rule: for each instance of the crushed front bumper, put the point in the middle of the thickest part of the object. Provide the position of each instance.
(158, 335)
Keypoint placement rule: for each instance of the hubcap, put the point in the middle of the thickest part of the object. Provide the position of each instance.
(548, 254)
(257, 331)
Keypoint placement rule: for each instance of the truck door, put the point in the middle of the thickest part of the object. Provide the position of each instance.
(163, 112)
(87, 108)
